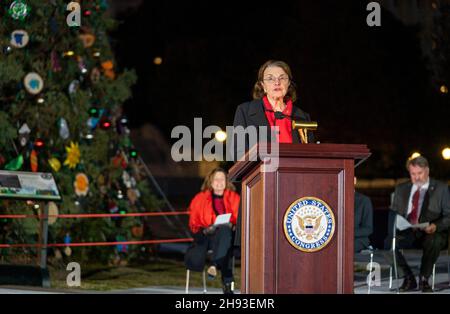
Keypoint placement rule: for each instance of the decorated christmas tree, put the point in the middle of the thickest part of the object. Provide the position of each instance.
(61, 99)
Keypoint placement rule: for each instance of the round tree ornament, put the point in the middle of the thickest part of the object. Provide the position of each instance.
(19, 38)
(19, 10)
(33, 83)
(81, 184)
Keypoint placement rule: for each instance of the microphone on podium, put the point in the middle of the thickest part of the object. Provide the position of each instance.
(301, 126)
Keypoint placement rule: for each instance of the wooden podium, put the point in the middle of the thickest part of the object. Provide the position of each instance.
(269, 262)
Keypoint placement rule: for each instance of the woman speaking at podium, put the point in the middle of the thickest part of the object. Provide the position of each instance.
(272, 106)
(273, 101)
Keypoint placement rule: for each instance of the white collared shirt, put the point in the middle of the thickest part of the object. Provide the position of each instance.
(423, 191)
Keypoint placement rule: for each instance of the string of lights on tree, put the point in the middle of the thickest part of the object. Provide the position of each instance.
(61, 112)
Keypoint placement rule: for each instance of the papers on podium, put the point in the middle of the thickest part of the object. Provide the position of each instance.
(403, 224)
(222, 219)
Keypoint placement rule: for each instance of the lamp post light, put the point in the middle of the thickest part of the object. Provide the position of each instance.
(446, 153)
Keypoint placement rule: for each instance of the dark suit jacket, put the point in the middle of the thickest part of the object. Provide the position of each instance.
(363, 216)
(252, 114)
(435, 207)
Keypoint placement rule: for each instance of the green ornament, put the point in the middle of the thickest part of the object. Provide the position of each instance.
(15, 164)
(19, 10)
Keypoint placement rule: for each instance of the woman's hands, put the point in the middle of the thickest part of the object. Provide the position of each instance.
(209, 230)
(212, 229)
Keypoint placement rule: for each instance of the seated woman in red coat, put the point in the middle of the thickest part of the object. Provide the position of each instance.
(217, 197)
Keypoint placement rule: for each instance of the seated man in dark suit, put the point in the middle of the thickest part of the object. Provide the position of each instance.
(421, 200)
(363, 221)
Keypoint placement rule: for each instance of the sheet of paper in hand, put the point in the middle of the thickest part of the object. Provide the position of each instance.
(403, 224)
(222, 219)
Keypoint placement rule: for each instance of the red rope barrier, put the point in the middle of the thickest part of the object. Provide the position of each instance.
(95, 215)
(97, 243)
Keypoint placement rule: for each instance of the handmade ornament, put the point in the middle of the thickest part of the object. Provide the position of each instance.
(95, 75)
(107, 65)
(113, 209)
(87, 39)
(73, 155)
(63, 129)
(19, 10)
(24, 134)
(58, 254)
(101, 184)
(121, 248)
(34, 161)
(119, 161)
(81, 65)
(33, 83)
(94, 119)
(68, 251)
(74, 86)
(19, 38)
(92, 123)
(67, 240)
(81, 184)
(108, 69)
(126, 178)
(55, 164)
(15, 164)
(121, 123)
(132, 196)
(53, 212)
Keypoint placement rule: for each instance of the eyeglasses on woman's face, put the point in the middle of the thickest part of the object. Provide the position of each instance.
(272, 79)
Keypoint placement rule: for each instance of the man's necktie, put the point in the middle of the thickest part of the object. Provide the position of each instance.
(413, 217)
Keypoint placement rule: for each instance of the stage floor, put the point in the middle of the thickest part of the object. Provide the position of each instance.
(360, 263)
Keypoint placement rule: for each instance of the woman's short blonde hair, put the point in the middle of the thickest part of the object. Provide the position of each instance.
(258, 90)
(209, 178)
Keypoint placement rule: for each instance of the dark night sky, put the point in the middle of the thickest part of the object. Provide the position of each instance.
(362, 84)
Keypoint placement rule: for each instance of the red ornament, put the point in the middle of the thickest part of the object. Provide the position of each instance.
(34, 161)
(119, 161)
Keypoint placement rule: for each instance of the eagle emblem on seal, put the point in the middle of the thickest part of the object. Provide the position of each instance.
(309, 224)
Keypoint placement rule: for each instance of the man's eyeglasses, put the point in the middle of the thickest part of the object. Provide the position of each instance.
(273, 80)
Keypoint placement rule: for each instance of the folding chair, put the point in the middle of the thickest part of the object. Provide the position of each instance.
(188, 272)
(395, 260)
